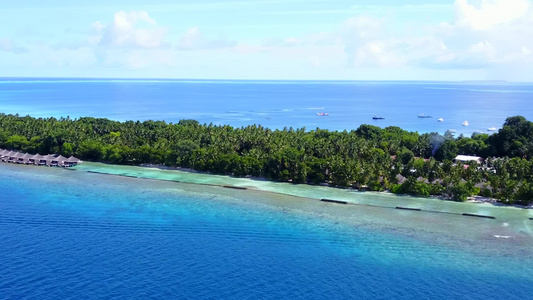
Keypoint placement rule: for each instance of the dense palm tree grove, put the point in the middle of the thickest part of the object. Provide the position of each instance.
(369, 157)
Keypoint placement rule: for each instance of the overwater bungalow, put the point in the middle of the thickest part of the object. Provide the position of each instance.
(42, 160)
(25, 159)
(3, 154)
(48, 159)
(37, 159)
(17, 157)
(59, 161)
(8, 157)
(72, 161)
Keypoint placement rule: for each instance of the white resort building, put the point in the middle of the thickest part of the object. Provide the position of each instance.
(468, 158)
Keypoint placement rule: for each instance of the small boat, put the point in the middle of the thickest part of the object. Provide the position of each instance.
(465, 123)
(378, 118)
(440, 120)
(322, 114)
(492, 129)
(424, 116)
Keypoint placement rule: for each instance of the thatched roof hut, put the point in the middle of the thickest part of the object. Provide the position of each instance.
(26, 158)
(40, 159)
(49, 157)
(60, 158)
(7, 156)
(72, 159)
(34, 159)
(59, 161)
(3, 154)
(18, 157)
(400, 179)
(38, 156)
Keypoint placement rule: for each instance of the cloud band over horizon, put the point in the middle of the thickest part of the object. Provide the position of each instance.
(293, 39)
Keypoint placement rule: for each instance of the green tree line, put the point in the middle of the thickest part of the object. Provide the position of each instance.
(369, 157)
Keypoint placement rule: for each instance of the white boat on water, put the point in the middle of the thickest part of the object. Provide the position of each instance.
(440, 120)
(492, 129)
(465, 123)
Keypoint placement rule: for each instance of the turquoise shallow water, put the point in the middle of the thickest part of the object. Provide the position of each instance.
(511, 216)
(73, 234)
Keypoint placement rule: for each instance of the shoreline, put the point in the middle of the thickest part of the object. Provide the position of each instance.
(472, 199)
(491, 201)
(476, 200)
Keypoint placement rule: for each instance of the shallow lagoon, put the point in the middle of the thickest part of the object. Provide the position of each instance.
(68, 233)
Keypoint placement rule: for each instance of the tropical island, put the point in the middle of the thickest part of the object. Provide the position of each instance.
(369, 158)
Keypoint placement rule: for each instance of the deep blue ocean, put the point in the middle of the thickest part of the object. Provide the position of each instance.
(275, 104)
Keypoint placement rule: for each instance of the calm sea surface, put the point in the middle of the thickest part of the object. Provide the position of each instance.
(275, 104)
(76, 235)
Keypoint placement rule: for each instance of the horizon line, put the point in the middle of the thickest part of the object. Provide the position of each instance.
(2, 78)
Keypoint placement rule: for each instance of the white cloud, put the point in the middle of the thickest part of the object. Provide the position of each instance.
(190, 39)
(97, 26)
(368, 43)
(489, 13)
(129, 29)
(490, 35)
(377, 54)
(194, 39)
(484, 49)
(482, 35)
(362, 27)
(493, 33)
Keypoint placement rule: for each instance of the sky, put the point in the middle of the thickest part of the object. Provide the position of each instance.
(269, 39)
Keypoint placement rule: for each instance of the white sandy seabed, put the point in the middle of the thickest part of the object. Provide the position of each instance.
(510, 222)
